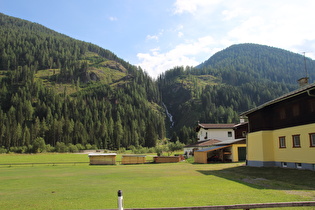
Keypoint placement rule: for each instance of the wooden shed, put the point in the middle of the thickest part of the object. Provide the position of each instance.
(212, 154)
(225, 151)
(133, 159)
(102, 158)
(166, 159)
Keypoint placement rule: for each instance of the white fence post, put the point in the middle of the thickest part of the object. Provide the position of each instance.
(120, 200)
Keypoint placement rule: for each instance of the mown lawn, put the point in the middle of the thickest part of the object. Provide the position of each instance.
(81, 186)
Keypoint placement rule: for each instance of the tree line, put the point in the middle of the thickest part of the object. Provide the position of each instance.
(104, 116)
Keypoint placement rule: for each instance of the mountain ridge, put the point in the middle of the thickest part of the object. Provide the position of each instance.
(62, 91)
(66, 91)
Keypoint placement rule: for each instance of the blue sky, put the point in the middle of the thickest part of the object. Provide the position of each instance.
(160, 34)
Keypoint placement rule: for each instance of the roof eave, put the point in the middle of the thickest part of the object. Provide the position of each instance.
(281, 98)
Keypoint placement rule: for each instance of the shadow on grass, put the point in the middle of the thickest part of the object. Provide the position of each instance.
(267, 177)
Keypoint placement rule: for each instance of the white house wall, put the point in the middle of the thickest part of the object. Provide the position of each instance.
(219, 134)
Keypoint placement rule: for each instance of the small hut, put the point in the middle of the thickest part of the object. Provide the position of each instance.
(133, 159)
(167, 159)
(102, 158)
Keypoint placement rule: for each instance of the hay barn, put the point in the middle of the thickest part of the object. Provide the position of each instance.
(133, 159)
(166, 159)
(103, 159)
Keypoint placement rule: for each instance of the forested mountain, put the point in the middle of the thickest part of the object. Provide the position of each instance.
(230, 82)
(261, 62)
(61, 92)
(67, 92)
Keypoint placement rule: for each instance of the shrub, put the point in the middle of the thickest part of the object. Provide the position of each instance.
(3, 150)
(80, 147)
(121, 150)
(39, 145)
(22, 149)
(72, 148)
(93, 146)
(49, 148)
(88, 146)
(61, 147)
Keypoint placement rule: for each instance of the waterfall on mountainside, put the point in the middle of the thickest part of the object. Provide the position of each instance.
(169, 116)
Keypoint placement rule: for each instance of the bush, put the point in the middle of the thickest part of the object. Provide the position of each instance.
(3, 150)
(94, 146)
(61, 147)
(72, 148)
(39, 145)
(121, 150)
(80, 147)
(88, 146)
(22, 149)
(49, 148)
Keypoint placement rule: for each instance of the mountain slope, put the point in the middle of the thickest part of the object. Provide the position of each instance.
(68, 92)
(262, 61)
(242, 77)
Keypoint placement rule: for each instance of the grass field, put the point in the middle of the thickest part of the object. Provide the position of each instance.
(81, 186)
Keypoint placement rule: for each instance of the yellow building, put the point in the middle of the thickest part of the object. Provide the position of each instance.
(225, 151)
(282, 131)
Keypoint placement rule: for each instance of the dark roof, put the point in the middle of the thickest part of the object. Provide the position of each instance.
(205, 143)
(212, 148)
(229, 142)
(216, 126)
(281, 98)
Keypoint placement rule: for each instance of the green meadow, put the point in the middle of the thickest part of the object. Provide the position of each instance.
(71, 183)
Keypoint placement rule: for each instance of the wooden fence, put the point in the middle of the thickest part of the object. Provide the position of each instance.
(48, 163)
(238, 206)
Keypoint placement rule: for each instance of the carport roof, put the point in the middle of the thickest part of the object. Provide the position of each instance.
(209, 149)
(232, 141)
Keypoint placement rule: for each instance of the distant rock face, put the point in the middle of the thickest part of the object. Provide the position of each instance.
(115, 65)
(94, 77)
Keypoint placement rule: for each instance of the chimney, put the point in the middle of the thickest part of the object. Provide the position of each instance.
(303, 81)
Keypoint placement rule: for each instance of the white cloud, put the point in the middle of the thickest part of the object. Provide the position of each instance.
(111, 18)
(283, 23)
(155, 36)
(150, 37)
(156, 62)
(191, 6)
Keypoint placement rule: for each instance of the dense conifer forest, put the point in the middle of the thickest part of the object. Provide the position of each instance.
(57, 92)
(68, 92)
(230, 82)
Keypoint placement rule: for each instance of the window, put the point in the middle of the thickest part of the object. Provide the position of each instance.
(311, 104)
(298, 165)
(296, 141)
(229, 134)
(312, 139)
(296, 110)
(282, 114)
(282, 142)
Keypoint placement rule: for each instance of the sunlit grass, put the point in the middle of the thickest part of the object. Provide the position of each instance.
(83, 186)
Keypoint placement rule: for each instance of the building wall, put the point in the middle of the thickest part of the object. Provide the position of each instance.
(201, 157)
(263, 148)
(220, 134)
(304, 154)
(102, 160)
(234, 155)
(260, 146)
